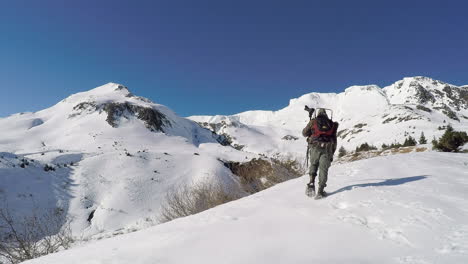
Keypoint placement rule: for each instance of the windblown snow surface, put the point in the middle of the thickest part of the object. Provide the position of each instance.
(409, 208)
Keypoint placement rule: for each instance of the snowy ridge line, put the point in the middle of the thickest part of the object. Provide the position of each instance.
(367, 114)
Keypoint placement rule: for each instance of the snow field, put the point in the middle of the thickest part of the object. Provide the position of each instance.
(397, 209)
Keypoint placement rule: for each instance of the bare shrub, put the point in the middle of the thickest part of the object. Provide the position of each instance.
(259, 174)
(406, 150)
(421, 149)
(341, 152)
(187, 200)
(294, 167)
(33, 236)
(255, 175)
(355, 156)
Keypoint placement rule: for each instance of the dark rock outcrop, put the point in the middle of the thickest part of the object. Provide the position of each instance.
(154, 120)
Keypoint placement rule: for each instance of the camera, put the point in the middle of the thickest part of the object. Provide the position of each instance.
(310, 110)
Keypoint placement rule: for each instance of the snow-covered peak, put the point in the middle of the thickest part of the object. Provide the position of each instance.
(110, 88)
(110, 92)
(126, 153)
(414, 90)
(366, 113)
(109, 109)
(363, 88)
(427, 92)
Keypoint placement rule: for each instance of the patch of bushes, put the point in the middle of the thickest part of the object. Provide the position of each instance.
(451, 140)
(421, 149)
(394, 145)
(47, 167)
(289, 137)
(422, 139)
(186, 200)
(365, 147)
(255, 175)
(33, 236)
(341, 152)
(409, 141)
(259, 174)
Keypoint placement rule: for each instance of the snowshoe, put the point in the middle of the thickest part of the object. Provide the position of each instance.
(310, 190)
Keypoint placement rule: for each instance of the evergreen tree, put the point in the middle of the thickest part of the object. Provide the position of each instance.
(341, 152)
(409, 141)
(422, 139)
(365, 147)
(396, 145)
(449, 128)
(384, 146)
(451, 140)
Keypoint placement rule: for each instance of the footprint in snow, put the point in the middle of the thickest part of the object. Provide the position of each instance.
(341, 205)
(411, 260)
(456, 242)
(375, 225)
(366, 203)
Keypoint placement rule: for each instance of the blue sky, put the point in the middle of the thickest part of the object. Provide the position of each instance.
(223, 57)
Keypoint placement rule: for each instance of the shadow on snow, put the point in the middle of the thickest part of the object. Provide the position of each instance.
(29, 190)
(387, 182)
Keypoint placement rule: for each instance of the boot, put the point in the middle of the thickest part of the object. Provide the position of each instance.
(310, 189)
(320, 193)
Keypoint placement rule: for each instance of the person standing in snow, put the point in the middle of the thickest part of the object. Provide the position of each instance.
(322, 140)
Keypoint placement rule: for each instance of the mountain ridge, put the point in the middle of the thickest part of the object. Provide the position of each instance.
(382, 115)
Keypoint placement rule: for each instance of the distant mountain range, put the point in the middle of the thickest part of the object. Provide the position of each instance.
(366, 114)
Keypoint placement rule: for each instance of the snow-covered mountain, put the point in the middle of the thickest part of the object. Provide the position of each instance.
(113, 156)
(402, 209)
(108, 158)
(366, 114)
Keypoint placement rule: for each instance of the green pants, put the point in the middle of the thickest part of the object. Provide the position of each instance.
(320, 159)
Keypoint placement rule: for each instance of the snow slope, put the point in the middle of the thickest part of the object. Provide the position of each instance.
(407, 208)
(366, 114)
(115, 156)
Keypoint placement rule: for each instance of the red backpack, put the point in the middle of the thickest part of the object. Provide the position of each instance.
(323, 128)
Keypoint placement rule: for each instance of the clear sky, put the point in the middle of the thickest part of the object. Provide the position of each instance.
(221, 56)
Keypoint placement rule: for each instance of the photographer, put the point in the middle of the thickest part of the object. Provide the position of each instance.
(321, 137)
